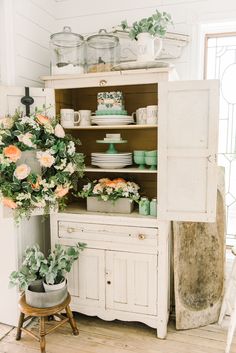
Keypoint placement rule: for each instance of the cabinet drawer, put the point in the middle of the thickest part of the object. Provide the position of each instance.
(108, 234)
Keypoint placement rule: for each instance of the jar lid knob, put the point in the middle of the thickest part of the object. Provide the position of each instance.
(102, 31)
(67, 29)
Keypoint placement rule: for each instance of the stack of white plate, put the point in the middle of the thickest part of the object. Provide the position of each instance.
(112, 119)
(111, 161)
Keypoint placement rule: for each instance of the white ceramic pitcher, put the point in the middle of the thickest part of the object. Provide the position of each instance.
(148, 47)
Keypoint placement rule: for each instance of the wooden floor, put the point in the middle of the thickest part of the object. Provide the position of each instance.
(98, 336)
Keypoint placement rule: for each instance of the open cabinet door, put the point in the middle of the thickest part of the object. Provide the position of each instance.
(187, 147)
(10, 99)
(13, 240)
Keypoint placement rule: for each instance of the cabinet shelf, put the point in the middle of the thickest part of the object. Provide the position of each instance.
(112, 127)
(120, 170)
(111, 218)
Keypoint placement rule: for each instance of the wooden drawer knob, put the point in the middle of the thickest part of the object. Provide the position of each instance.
(70, 230)
(102, 83)
(141, 236)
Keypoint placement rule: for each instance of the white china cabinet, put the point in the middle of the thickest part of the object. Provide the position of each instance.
(124, 273)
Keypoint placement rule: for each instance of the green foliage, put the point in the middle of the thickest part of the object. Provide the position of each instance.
(30, 270)
(52, 269)
(156, 25)
(60, 262)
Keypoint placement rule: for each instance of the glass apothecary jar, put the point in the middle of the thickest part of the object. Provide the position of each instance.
(103, 51)
(67, 53)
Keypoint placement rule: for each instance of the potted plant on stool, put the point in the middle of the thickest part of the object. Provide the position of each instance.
(37, 271)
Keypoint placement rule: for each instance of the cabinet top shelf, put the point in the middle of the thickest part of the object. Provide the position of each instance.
(111, 78)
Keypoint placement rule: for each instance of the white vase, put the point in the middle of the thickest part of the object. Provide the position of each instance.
(52, 287)
(148, 47)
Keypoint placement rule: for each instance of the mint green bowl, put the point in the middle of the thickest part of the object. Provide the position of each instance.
(139, 153)
(152, 161)
(151, 153)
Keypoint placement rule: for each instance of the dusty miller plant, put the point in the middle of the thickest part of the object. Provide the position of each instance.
(156, 25)
(52, 269)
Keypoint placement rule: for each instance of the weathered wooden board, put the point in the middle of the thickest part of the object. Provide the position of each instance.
(199, 262)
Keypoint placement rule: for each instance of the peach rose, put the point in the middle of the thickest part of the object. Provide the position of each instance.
(118, 180)
(61, 191)
(22, 171)
(12, 152)
(9, 203)
(111, 184)
(45, 159)
(42, 119)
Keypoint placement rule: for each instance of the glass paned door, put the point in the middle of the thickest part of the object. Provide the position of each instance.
(220, 63)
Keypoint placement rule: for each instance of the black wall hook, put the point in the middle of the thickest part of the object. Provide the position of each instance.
(27, 100)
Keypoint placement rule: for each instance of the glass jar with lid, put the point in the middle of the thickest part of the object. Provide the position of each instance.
(103, 51)
(67, 52)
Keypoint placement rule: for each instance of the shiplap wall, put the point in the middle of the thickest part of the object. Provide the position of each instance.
(89, 16)
(31, 22)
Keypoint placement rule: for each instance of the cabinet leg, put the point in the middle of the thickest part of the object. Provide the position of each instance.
(72, 321)
(42, 334)
(20, 324)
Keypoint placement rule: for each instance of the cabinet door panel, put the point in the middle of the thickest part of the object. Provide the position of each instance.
(187, 146)
(131, 282)
(10, 99)
(86, 279)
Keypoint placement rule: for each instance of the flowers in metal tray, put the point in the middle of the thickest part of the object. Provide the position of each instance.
(38, 163)
(106, 189)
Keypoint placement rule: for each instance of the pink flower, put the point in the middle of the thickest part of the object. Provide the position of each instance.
(22, 171)
(59, 131)
(7, 202)
(61, 191)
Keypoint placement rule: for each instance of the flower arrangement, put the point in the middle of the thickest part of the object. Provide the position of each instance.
(106, 189)
(23, 189)
(156, 25)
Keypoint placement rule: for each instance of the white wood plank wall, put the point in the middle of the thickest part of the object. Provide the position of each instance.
(34, 23)
(34, 20)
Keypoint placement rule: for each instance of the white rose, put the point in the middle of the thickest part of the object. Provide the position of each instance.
(70, 168)
(6, 123)
(59, 131)
(26, 139)
(22, 171)
(45, 159)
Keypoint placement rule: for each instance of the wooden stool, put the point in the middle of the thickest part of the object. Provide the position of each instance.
(42, 314)
(229, 305)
